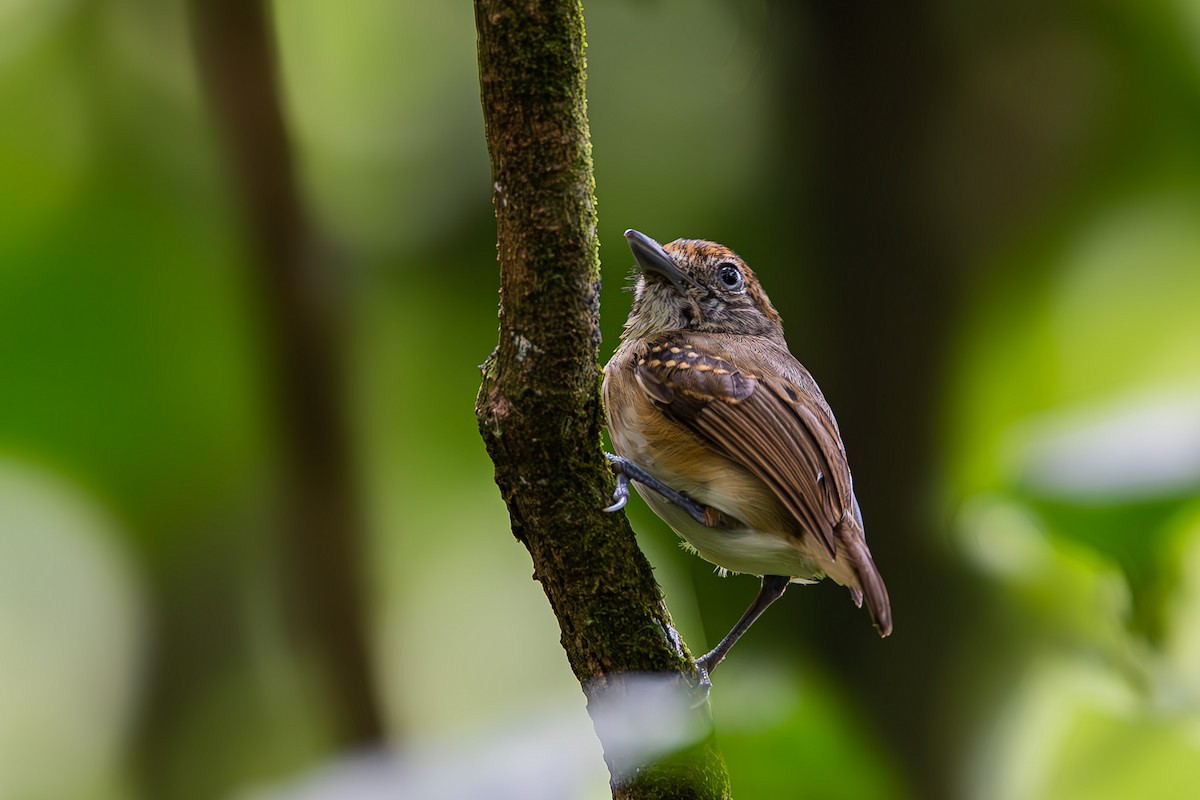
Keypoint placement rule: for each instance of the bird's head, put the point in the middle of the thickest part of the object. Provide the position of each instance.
(694, 285)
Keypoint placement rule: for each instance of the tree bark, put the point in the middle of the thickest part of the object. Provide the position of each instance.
(539, 406)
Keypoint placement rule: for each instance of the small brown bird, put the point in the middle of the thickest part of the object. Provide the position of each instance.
(727, 436)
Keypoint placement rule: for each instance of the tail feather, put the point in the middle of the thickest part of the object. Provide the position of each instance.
(871, 587)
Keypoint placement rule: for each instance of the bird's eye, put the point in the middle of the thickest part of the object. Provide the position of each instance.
(730, 277)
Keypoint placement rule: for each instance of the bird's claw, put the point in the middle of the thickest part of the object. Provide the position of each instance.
(620, 493)
(703, 686)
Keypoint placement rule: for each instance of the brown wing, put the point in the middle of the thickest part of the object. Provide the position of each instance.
(780, 431)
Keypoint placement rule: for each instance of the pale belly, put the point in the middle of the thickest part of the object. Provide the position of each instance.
(741, 549)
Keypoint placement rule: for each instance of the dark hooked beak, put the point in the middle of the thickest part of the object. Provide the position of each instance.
(651, 257)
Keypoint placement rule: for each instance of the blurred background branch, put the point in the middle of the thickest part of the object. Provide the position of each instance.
(867, 83)
(321, 525)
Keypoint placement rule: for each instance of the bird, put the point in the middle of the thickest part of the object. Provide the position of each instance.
(727, 437)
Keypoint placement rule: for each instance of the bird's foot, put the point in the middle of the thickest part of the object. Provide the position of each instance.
(620, 491)
(703, 686)
(625, 470)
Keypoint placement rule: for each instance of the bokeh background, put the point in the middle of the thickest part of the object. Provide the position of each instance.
(980, 222)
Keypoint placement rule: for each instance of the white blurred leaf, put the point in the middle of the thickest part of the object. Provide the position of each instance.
(1124, 449)
(529, 757)
(71, 634)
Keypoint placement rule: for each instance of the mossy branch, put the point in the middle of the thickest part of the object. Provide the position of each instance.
(539, 406)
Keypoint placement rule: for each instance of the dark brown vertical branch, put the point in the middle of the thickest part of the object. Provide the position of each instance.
(539, 406)
(866, 84)
(322, 527)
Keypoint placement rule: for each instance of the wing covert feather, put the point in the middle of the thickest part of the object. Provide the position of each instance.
(778, 430)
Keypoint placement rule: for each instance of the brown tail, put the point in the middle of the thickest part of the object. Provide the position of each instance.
(854, 549)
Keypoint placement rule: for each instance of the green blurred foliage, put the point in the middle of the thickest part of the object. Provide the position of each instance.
(136, 451)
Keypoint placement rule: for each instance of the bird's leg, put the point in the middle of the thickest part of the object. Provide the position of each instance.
(773, 587)
(625, 470)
